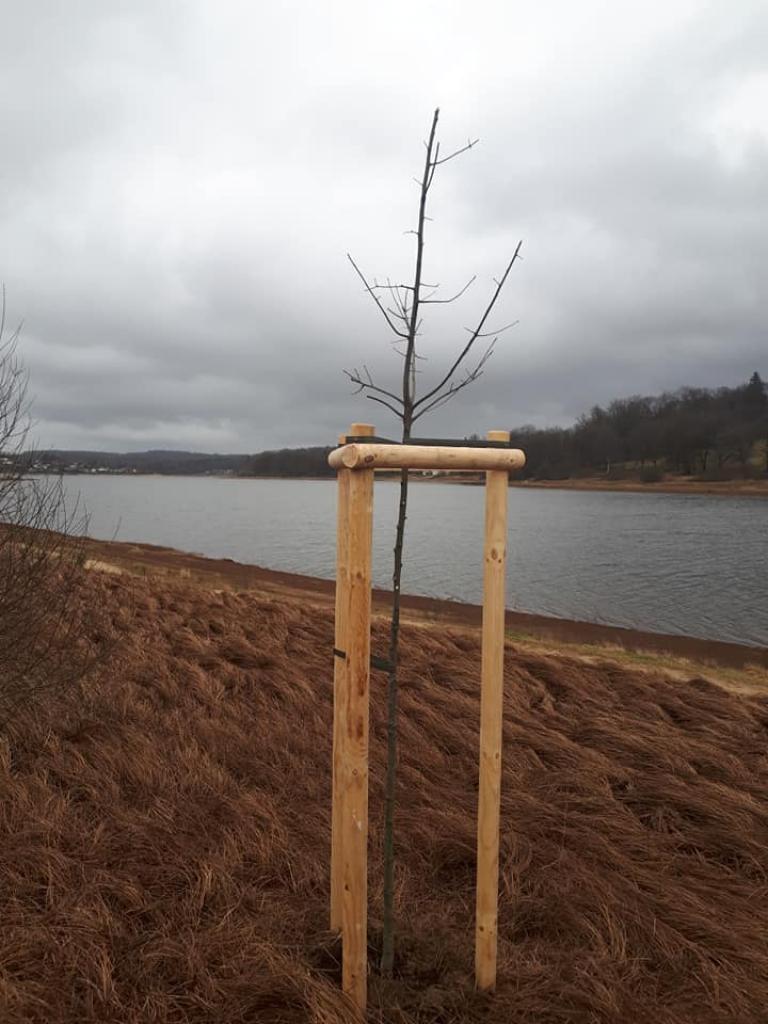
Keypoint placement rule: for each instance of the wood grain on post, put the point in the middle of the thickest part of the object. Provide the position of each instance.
(397, 456)
(355, 741)
(340, 678)
(339, 689)
(491, 705)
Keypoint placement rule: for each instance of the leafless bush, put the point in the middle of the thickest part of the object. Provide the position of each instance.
(40, 557)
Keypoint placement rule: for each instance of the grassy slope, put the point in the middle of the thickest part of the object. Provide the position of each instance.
(164, 843)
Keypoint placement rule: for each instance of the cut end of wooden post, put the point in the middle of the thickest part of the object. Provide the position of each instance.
(361, 430)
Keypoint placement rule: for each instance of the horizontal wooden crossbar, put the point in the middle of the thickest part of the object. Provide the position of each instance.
(397, 456)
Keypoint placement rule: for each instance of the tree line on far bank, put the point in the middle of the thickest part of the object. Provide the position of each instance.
(708, 432)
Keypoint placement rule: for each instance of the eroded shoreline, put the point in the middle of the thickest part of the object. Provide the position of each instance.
(227, 573)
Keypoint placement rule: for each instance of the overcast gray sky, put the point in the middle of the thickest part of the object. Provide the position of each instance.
(181, 182)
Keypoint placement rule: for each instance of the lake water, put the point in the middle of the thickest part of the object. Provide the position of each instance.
(689, 564)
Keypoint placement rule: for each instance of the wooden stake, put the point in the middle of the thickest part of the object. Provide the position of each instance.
(354, 821)
(340, 678)
(339, 688)
(491, 705)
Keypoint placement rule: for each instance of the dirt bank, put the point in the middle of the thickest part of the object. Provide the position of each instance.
(164, 837)
(671, 485)
(225, 572)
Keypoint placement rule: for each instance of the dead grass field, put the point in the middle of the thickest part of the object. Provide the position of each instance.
(164, 838)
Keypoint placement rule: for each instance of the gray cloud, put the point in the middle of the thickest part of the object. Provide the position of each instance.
(180, 183)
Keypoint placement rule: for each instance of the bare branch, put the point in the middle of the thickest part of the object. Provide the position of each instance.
(381, 401)
(476, 333)
(496, 333)
(367, 384)
(454, 389)
(390, 284)
(471, 143)
(398, 314)
(438, 302)
(399, 301)
(375, 298)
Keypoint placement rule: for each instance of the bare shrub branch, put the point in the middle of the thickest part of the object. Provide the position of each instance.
(41, 558)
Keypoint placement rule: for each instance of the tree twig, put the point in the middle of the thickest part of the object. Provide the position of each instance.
(375, 298)
(437, 302)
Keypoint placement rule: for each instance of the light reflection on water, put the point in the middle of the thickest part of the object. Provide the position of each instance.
(690, 564)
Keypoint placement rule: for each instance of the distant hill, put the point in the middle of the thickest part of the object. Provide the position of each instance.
(157, 461)
(287, 462)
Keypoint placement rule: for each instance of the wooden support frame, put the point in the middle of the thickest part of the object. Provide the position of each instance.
(355, 464)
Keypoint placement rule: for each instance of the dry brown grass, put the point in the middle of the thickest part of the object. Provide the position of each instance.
(164, 844)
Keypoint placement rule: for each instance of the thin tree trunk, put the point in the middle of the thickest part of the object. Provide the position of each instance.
(390, 785)
(409, 391)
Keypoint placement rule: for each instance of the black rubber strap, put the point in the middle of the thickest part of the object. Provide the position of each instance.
(379, 663)
(440, 442)
(368, 439)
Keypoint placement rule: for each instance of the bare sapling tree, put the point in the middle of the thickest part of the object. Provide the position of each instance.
(41, 556)
(402, 306)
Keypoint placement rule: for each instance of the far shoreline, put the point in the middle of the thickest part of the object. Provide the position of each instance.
(674, 485)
